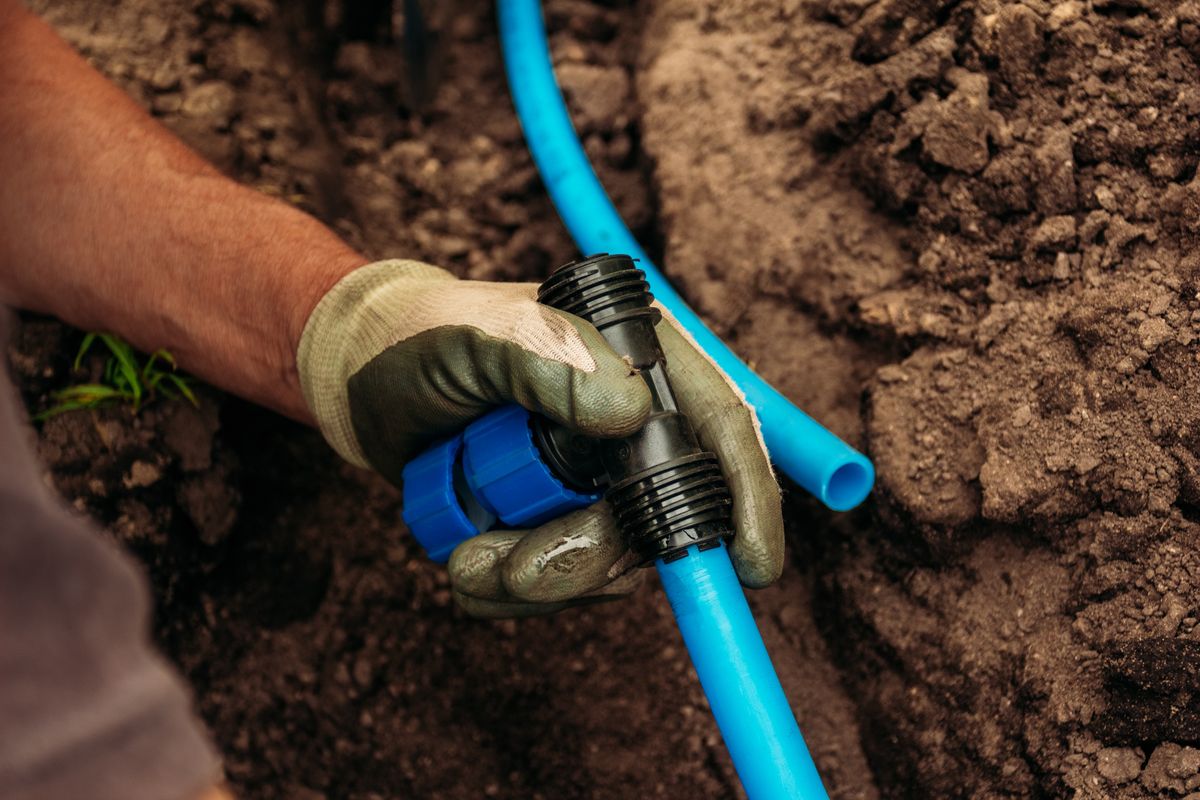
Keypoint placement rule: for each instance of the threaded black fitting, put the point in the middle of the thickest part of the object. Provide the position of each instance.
(605, 290)
(666, 492)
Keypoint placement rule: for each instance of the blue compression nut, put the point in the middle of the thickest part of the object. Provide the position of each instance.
(507, 475)
(432, 509)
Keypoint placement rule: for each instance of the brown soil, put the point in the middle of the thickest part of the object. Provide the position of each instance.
(960, 233)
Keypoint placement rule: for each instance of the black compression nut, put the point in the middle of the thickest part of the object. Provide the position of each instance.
(666, 492)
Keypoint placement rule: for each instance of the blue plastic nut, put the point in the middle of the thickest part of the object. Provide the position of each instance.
(432, 509)
(505, 471)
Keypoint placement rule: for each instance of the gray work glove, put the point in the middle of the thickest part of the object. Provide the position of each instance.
(400, 353)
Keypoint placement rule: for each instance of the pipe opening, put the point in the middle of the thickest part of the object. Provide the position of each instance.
(848, 486)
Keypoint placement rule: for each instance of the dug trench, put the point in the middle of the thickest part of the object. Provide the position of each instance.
(961, 234)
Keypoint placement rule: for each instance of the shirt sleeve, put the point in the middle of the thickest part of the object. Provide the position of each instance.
(88, 710)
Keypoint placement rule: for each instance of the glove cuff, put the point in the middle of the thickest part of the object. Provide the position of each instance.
(352, 324)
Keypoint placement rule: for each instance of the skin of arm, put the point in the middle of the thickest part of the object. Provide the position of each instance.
(109, 222)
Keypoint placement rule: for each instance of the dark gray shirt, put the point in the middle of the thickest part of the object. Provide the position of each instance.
(88, 710)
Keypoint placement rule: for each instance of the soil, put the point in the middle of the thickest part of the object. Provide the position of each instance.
(961, 233)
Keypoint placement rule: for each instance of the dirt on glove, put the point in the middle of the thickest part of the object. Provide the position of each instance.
(961, 234)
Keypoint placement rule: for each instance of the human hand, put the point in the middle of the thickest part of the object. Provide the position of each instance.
(400, 353)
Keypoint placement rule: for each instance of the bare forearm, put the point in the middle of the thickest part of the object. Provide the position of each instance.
(110, 223)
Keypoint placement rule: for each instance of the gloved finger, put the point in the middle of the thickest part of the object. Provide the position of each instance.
(560, 367)
(475, 565)
(551, 362)
(499, 609)
(565, 558)
(727, 427)
(480, 567)
(610, 401)
(622, 586)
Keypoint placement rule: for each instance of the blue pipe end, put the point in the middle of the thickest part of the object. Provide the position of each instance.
(849, 484)
(833, 471)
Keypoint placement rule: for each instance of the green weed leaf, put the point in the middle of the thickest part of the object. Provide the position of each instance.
(125, 379)
(127, 363)
(182, 385)
(84, 346)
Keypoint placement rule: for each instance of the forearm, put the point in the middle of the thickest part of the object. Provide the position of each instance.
(110, 223)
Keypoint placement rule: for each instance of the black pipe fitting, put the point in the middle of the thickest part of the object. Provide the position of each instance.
(666, 492)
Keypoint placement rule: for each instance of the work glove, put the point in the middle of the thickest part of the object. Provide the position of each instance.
(400, 353)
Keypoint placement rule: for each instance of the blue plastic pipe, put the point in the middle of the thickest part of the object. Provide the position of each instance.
(833, 471)
(504, 475)
(739, 680)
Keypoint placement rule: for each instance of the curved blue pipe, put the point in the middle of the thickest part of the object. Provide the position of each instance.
(833, 471)
(739, 680)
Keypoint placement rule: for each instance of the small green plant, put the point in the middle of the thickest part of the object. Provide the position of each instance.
(126, 379)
